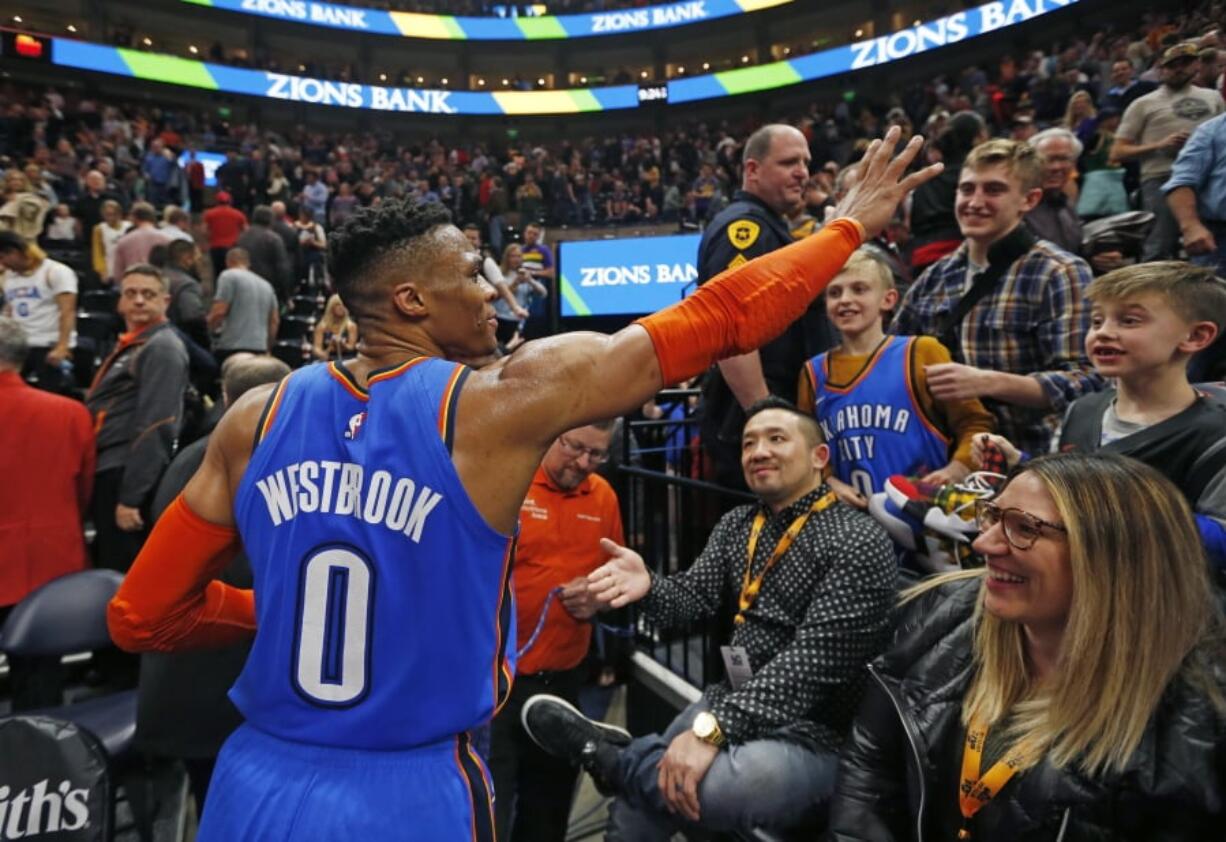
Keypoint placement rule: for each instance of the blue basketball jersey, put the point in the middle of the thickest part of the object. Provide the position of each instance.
(874, 425)
(382, 596)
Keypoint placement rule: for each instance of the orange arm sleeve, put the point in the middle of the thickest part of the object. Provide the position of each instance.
(962, 420)
(742, 309)
(171, 598)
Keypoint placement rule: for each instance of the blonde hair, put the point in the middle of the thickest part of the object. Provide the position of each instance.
(1142, 614)
(1068, 121)
(506, 256)
(331, 322)
(1020, 159)
(863, 263)
(1195, 293)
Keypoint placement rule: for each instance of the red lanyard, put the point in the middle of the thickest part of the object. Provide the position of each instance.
(976, 791)
(751, 586)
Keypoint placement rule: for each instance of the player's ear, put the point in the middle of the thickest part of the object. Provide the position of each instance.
(408, 300)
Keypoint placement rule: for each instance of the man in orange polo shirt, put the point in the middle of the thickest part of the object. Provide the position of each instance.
(567, 511)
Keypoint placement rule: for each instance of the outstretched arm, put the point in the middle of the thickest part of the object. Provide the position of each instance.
(171, 598)
(581, 377)
(553, 385)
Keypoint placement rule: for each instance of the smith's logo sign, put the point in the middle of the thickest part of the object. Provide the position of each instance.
(42, 808)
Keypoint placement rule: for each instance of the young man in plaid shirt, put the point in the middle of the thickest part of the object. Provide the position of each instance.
(1020, 346)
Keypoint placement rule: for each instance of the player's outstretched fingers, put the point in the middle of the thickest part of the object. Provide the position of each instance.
(903, 159)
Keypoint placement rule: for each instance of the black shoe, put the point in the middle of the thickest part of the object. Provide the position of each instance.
(562, 731)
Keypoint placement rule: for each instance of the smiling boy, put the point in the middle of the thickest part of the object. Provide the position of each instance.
(870, 394)
(1146, 322)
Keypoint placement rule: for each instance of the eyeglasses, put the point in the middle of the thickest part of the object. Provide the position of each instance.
(574, 451)
(1021, 529)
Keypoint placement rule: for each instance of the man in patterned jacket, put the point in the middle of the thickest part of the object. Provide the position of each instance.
(811, 610)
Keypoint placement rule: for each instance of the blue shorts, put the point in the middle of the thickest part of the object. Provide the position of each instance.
(267, 789)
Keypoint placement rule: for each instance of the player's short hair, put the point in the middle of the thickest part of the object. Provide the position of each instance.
(865, 264)
(371, 238)
(146, 269)
(1195, 293)
(807, 423)
(1020, 159)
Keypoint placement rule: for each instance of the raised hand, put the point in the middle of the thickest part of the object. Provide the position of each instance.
(882, 186)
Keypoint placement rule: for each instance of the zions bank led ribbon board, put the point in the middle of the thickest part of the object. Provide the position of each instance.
(490, 28)
(946, 31)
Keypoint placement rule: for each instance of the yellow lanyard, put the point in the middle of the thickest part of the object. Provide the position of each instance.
(751, 586)
(976, 791)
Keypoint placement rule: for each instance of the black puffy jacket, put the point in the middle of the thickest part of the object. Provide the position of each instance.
(899, 774)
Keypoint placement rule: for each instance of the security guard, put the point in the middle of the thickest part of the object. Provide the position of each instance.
(776, 169)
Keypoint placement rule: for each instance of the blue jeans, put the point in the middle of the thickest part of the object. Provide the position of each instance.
(760, 784)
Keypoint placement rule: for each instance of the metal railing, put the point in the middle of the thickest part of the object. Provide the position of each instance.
(670, 511)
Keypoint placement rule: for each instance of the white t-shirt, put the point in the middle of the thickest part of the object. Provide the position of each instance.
(30, 300)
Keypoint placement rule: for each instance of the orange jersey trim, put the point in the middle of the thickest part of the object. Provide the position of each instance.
(844, 388)
(350, 387)
(270, 413)
(444, 409)
(500, 661)
(389, 373)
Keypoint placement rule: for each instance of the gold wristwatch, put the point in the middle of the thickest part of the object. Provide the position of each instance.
(706, 728)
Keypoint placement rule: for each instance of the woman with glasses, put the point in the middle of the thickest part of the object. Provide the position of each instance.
(1071, 689)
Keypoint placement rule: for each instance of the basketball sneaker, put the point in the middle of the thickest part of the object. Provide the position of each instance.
(561, 730)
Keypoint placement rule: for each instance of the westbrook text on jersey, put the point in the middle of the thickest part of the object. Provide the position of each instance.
(347, 490)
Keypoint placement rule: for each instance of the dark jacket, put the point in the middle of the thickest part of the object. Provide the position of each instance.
(269, 258)
(901, 764)
(745, 229)
(137, 405)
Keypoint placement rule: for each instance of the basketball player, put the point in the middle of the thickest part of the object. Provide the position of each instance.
(378, 499)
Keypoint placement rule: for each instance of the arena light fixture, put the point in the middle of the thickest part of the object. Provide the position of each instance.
(147, 41)
(444, 80)
(859, 33)
(17, 19)
(72, 28)
(382, 77)
(194, 50)
(481, 83)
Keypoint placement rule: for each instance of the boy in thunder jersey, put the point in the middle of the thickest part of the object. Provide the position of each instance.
(378, 500)
(870, 394)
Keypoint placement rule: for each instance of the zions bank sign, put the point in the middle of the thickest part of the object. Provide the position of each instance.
(947, 31)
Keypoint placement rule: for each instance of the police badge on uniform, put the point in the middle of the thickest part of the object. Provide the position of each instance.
(743, 233)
